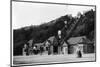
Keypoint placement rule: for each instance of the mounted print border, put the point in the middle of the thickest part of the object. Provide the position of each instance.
(57, 35)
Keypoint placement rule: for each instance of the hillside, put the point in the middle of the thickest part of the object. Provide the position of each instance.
(85, 25)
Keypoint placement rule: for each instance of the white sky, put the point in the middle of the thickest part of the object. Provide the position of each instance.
(26, 14)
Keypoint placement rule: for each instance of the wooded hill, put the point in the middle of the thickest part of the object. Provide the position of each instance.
(83, 26)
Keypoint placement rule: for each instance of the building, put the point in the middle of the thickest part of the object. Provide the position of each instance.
(55, 48)
(80, 43)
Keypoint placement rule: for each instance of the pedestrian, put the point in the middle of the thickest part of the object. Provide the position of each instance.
(79, 54)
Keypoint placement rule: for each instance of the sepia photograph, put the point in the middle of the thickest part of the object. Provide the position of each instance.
(52, 33)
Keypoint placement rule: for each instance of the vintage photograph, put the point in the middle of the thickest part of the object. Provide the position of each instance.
(49, 33)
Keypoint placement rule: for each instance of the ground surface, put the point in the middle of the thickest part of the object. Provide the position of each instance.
(44, 59)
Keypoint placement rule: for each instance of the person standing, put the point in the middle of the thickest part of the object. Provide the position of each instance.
(79, 53)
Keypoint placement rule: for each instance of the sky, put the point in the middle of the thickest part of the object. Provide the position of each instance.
(26, 14)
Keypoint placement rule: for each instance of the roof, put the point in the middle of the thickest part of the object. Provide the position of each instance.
(64, 44)
(51, 38)
(30, 41)
(75, 40)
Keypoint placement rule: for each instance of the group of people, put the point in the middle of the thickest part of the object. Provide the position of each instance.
(30, 50)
